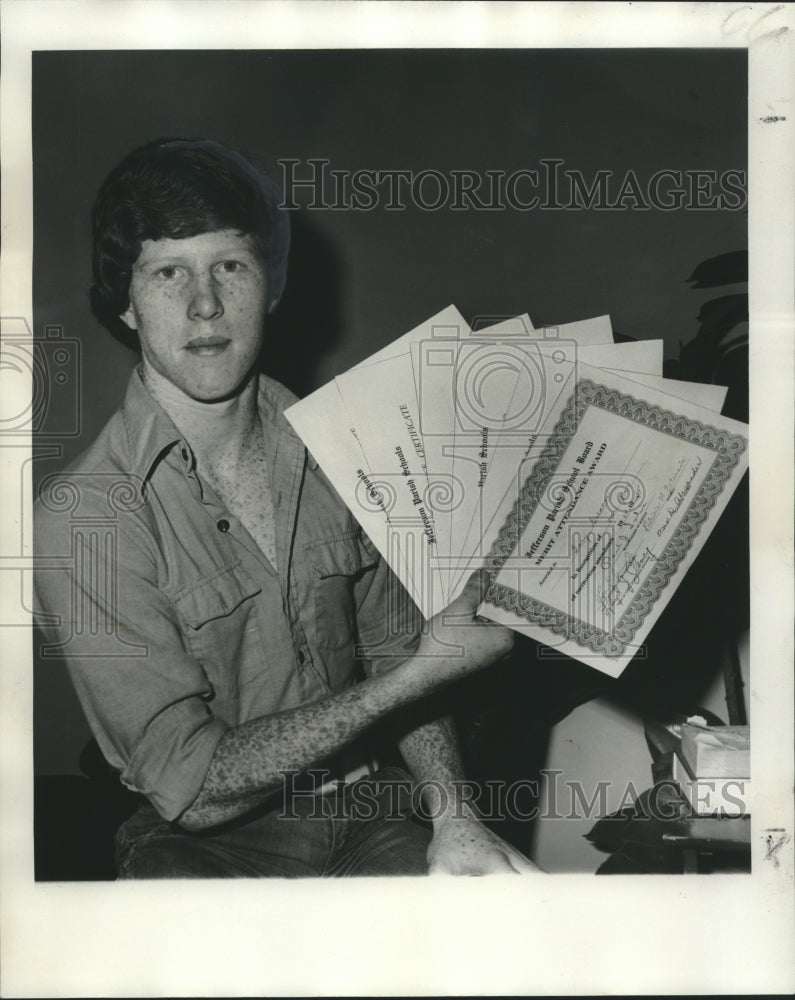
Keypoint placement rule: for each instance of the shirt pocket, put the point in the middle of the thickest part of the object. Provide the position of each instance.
(336, 565)
(218, 614)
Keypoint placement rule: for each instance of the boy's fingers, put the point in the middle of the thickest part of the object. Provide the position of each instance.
(476, 587)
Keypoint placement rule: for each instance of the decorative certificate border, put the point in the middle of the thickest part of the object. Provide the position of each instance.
(727, 449)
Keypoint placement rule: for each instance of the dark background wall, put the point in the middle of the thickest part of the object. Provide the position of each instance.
(360, 279)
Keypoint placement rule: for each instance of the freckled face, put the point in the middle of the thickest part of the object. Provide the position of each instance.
(198, 306)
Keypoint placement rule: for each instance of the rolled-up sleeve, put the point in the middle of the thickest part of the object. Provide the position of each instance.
(100, 607)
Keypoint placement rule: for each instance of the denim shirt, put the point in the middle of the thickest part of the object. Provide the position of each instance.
(173, 623)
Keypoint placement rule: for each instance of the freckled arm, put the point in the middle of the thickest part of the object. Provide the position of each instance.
(247, 765)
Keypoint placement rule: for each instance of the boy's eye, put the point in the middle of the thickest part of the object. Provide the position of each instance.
(231, 266)
(166, 272)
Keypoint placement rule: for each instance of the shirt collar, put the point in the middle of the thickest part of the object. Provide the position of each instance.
(151, 432)
(272, 400)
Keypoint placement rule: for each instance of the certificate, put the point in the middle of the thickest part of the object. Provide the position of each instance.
(518, 394)
(608, 519)
(385, 392)
(348, 440)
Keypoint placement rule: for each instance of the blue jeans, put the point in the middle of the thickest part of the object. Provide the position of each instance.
(341, 833)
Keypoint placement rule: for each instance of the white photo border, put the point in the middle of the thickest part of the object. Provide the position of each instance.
(498, 935)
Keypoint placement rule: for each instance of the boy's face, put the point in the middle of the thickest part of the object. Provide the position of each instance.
(198, 306)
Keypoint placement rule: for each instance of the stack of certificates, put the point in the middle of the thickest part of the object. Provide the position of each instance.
(562, 462)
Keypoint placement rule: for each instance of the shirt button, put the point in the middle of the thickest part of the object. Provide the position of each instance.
(301, 656)
(223, 524)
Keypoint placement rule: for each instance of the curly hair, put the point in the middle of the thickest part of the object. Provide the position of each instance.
(173, 189)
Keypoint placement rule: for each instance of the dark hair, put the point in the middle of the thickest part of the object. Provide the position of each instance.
(173, 189)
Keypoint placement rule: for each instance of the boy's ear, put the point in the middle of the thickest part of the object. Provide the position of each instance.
(128, 318)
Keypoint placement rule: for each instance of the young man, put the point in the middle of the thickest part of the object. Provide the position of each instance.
(241, 586)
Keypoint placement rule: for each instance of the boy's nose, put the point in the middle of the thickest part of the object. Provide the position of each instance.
(205, 301)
